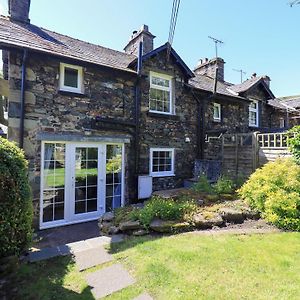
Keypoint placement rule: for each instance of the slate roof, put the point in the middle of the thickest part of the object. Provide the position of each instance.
(291, 101)
(206, 83)
(46, 41)
(277, 104)
(246, 85)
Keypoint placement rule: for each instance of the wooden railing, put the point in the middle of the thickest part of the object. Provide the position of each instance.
(272, 140)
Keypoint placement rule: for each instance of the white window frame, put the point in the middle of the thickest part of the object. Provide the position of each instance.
(218, 105)
(158, 87)
(66, 88)
(255, 111)
(281, 123)
(165, 173)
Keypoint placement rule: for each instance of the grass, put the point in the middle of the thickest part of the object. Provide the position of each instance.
(183, 267)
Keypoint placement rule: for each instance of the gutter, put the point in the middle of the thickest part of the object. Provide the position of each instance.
(22, 99)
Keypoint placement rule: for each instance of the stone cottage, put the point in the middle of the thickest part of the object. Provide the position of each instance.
(102, 128)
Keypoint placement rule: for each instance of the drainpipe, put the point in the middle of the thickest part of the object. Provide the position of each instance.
(137, 115)
(201, 117)
(22, 99)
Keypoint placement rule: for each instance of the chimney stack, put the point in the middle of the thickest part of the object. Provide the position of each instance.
(208, 67)
(267, 80)
(144, 36)
(18, 10)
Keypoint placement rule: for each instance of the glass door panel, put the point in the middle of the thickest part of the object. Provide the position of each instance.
(53, 182)
(113, 177)
(86, 179)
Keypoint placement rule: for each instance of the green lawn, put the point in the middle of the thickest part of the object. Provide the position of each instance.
(183, 267)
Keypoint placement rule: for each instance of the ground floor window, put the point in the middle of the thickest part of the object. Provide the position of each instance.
(161, 162)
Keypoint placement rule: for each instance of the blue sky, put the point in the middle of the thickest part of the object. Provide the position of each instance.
(259, 36)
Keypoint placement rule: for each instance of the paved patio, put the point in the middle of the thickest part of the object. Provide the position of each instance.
(66, 234)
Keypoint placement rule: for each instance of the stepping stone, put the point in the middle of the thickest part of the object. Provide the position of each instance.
(144, 296)
(109, 280)
(91, 257)
(43, 254)
(98, 241)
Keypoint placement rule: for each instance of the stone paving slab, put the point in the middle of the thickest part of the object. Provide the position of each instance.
(144, 296)
(48, 253)
(109, 280)
(91, 257)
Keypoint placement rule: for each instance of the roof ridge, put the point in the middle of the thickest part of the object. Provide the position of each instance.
(97, 45)
(68, 36)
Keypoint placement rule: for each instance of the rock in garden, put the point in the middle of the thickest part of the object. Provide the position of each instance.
(105, 226)
(108, 217)
(181, 227)
(139, 232)
(251, 214)
(162, 226)
(232, 215)
(130, 225)
(113, 230)
(206, 222)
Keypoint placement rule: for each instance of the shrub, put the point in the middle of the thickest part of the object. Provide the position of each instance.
(165, 209)
(294, 142)
(274, 190)
(203, 186)
(15, 200)
(224, 185)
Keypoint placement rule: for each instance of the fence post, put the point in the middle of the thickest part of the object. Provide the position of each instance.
(255, 148)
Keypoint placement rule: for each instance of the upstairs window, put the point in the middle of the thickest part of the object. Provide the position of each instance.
(160, 93)
(71, 78)
(217, 112)
(161, 162)
(253, 113)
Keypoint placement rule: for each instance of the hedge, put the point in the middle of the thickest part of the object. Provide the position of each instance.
(15, 200)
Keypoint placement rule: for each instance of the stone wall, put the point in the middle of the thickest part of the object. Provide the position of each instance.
(170, 131)
(48, 110)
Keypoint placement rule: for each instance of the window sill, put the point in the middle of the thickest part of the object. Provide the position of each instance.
(74, 94)
(162, 175)
(217, 120)
(253, 126)
(162, 115)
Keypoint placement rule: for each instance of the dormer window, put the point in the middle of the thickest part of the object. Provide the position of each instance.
(161, 96)
(253, 114)
(71, 78)
(217, 112)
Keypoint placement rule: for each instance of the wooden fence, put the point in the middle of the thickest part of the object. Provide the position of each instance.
(243, 153)
(271, 146)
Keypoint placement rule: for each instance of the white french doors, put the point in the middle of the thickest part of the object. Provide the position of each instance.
(80, 181)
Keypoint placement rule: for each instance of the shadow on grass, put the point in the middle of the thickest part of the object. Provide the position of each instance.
(134, 241)
(48, 280)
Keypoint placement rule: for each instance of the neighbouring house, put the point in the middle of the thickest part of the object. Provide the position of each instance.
(291, 106)
(102, 128)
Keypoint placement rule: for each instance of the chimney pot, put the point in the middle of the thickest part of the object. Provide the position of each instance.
(208, 68)
(144, 36)
(253, 75)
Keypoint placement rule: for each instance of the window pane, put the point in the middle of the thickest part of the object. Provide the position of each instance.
(161, 161)
(252, 118)
(216, 112)
(253, 105)
(71, 77)
(160, 81)
(159, 100)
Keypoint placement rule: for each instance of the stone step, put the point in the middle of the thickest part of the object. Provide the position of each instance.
(91, 258)
(109, 280)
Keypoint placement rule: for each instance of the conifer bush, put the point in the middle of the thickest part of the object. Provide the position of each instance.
(15, 200)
